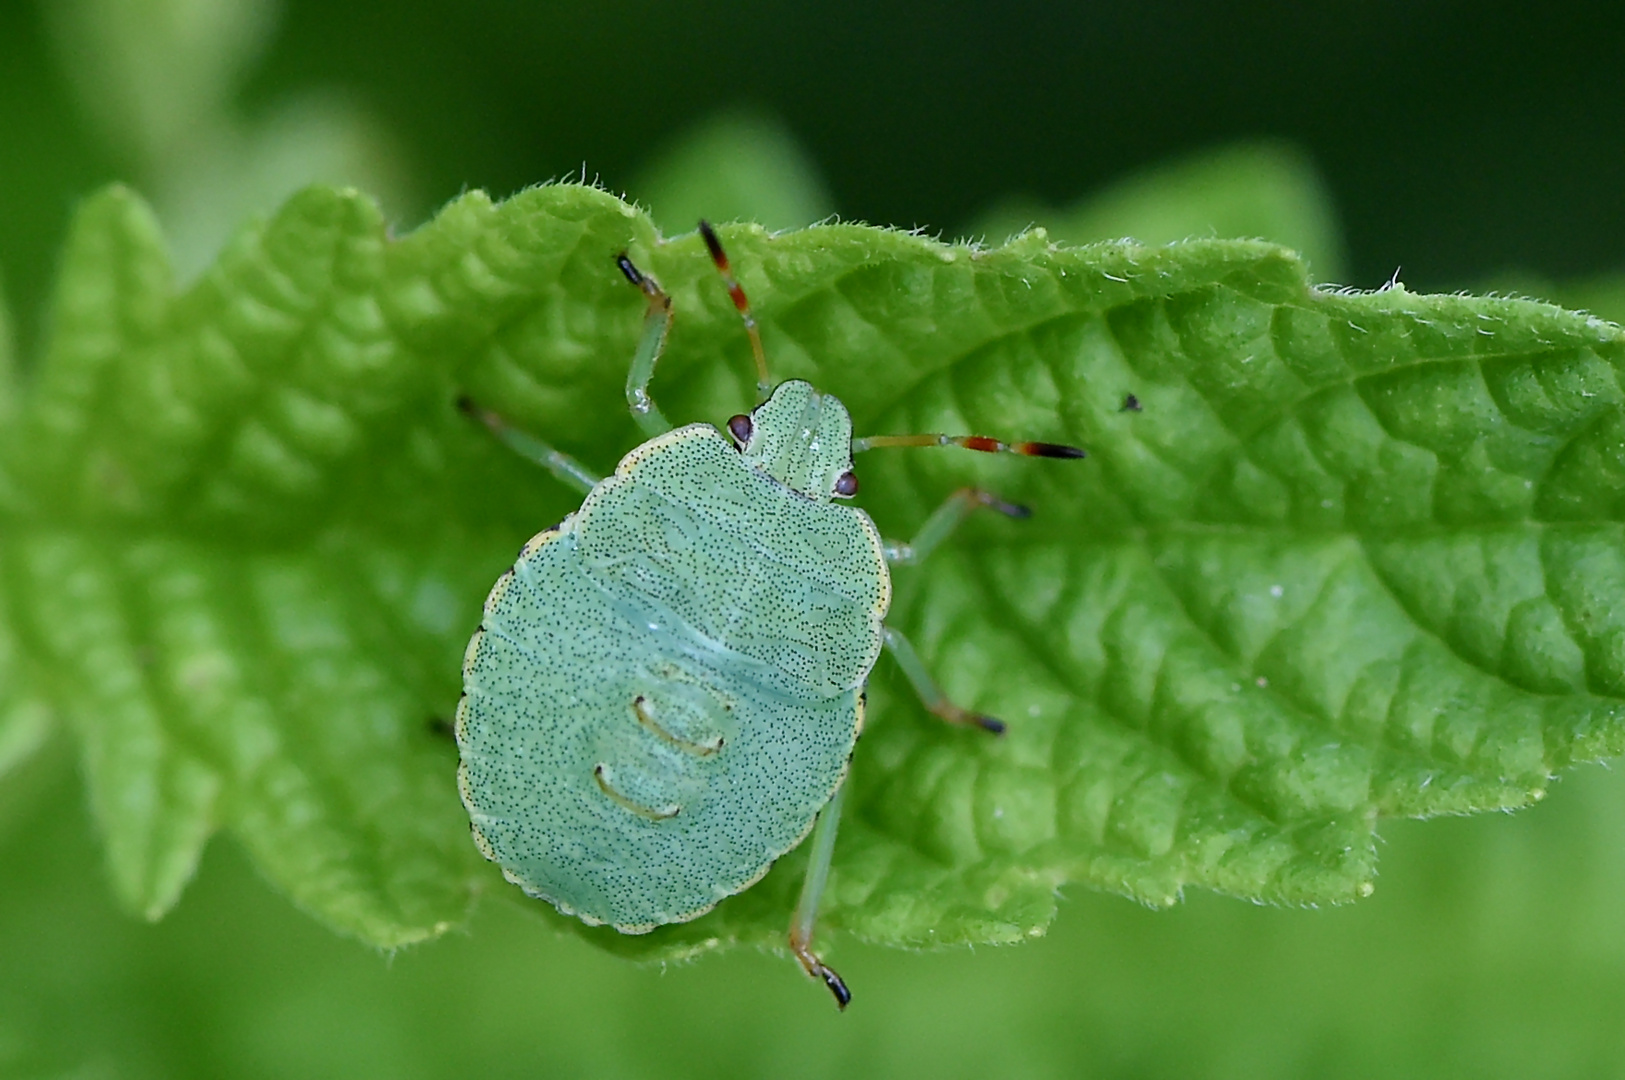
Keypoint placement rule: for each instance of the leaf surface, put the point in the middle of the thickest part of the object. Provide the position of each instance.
(1355, 556)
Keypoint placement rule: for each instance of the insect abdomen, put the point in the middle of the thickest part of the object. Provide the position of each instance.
(606, 812)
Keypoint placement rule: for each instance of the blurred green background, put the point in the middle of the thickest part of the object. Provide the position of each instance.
(1472, 145)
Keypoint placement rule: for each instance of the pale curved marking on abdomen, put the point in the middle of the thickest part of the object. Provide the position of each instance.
(711, 852)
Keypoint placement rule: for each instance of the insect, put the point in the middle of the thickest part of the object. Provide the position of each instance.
(666, 688)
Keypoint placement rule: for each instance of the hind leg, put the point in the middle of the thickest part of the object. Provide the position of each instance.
(812, 890)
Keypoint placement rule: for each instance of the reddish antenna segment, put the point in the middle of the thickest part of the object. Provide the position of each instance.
(970, 442)
(736, 293)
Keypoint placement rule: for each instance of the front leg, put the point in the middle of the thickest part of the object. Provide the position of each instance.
(656, 321)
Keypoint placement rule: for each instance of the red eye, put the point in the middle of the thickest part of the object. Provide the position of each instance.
(741, 428)
(846, 484)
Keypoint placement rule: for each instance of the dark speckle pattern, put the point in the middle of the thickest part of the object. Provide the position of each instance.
(731, 610)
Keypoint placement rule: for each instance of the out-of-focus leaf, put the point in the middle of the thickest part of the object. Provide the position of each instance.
(158, 80)
(1270, 191)
(24, 721)
(8, 369)
(153, 75)
(737, 166)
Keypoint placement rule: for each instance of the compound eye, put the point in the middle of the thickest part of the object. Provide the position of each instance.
(741, 427)
(846, 484)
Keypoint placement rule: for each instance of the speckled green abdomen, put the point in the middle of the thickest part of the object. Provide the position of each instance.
(666, 689)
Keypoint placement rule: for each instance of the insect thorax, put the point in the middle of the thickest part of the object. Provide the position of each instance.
(802, 438)
(709, 543)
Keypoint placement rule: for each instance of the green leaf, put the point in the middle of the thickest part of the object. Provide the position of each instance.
(8, 374)
(1357, 556)
(1603, 295)
(25, 721)
(1267, 190)
(157, 81)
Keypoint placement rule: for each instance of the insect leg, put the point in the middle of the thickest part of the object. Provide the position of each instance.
(560, 464)
(931, 695)
(656, 321)
(812, 889)
(955, 509)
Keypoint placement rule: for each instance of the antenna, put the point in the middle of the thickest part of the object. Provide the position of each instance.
(736, 293)
(970, 442)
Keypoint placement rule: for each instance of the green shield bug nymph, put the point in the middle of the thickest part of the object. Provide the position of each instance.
(666, 688)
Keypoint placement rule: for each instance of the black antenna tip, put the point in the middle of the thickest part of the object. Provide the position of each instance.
(1052, 450)
(712, 243)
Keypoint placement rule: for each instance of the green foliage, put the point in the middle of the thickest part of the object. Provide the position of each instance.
(1268, 190)
(1492, 949)
(738, 166)
(1358, 555)
(157, 80)
(1603, 296)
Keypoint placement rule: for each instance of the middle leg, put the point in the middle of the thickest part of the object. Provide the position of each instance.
(947, 517)
(931, 695)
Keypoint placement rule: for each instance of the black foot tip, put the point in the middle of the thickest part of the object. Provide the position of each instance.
(837, 986)
(993, 502)
(991, 724)
(631, 272)
(1131, 403)
(465, 405)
